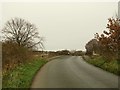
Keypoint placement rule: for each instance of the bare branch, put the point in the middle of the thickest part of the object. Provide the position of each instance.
(23, 33)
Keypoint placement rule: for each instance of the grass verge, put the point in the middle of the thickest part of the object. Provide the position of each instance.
(99, 61)
(21, 76)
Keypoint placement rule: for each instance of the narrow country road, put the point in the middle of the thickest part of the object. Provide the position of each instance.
(73, 72)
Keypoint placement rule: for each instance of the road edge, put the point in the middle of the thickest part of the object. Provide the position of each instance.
(48, 60)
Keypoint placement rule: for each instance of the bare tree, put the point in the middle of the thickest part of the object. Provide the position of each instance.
(23, 33)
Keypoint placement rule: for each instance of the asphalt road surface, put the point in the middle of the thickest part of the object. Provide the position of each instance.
(73, 72)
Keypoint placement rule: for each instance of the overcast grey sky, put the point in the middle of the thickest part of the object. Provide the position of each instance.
(65, 25)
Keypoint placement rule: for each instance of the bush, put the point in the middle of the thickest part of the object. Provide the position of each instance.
(14, 55)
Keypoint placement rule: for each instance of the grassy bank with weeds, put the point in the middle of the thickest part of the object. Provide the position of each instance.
(99, 61)
(21, 76)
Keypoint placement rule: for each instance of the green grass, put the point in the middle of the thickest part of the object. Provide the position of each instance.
(21, 76)
(110, 66)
